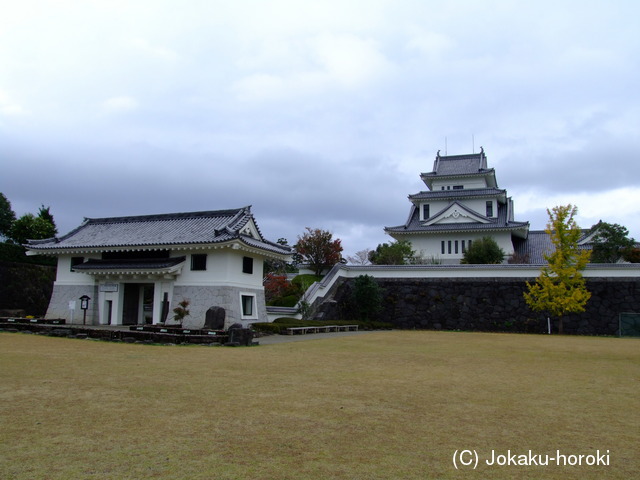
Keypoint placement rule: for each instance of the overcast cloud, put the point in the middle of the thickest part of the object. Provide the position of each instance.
(317, 113)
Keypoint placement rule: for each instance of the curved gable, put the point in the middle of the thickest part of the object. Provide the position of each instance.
(456, 213)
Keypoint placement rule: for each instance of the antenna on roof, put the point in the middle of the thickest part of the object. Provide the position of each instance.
(445, 146)
(473, 144)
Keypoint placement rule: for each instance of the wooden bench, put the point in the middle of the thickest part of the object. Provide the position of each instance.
(347, 328)
(296, 330)
(322, 328)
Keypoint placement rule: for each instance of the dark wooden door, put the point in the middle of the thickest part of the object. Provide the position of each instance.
(131, 304)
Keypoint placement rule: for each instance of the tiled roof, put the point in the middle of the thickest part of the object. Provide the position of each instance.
(130, 264)
(457, 167)
(468, 164)
(538, 244)
(534, 247)
(191, 228)
(501, 222)
(462, 193)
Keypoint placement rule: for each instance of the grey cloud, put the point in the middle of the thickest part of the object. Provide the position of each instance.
(166, 109)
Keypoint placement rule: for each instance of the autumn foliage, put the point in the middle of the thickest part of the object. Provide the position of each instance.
(276, 286)
(318, 248)
(561, 288)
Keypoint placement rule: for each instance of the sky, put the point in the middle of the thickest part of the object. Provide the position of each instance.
(319, 114)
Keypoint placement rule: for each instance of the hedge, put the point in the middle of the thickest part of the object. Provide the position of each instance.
(278, 325)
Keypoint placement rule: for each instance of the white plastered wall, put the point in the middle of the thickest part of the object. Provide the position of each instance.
(477, 205)
(213, 286)
(430, 246)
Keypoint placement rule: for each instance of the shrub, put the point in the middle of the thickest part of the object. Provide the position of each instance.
(304, 309)
(181, 311)
(275, 286)
(305, 280)
(394, 253)
(279, 292)
(288, 301)
(367, 297)
(483, 251)
(266, 327)
(286, 320)
(279, 325)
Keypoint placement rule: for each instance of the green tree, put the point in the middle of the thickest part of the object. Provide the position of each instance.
(30, 227)
(279, 267)
(483, 251)
(631, 255)
(7, 216)
(367, 297)
(318, 248)
(45, 214)
(561, 288)
(610, 242)
(394, 253)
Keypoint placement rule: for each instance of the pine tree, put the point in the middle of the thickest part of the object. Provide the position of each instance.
(561, 288)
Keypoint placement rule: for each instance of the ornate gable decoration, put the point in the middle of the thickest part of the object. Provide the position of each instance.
(456, 213)
(250, 230)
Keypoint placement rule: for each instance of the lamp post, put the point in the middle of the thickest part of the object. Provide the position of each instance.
(84, 305)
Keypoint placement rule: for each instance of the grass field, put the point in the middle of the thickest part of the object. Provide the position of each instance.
(381, 405)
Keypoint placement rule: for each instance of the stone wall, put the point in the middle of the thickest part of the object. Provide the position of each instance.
(201, 298)
(63, 294)
(487, 304)
(26, 287)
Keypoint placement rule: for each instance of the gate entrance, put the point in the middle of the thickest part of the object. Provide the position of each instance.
(137, 304)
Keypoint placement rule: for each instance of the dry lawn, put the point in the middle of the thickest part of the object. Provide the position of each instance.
(383, 405)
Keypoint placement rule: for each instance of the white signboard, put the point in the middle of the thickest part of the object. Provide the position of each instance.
(109, 287)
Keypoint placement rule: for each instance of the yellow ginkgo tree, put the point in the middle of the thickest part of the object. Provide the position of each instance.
(561, 289)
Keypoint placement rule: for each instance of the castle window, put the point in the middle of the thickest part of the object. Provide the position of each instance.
(425, 211)
(489, 208)
(247, 265)
(456, 246)
(442, 246)
(458, 187)
(199, 261)
(449, 247)
(248, 303)
(76, 261)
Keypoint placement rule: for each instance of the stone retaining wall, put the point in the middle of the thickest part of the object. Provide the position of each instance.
(26, 287)
(487, 304)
